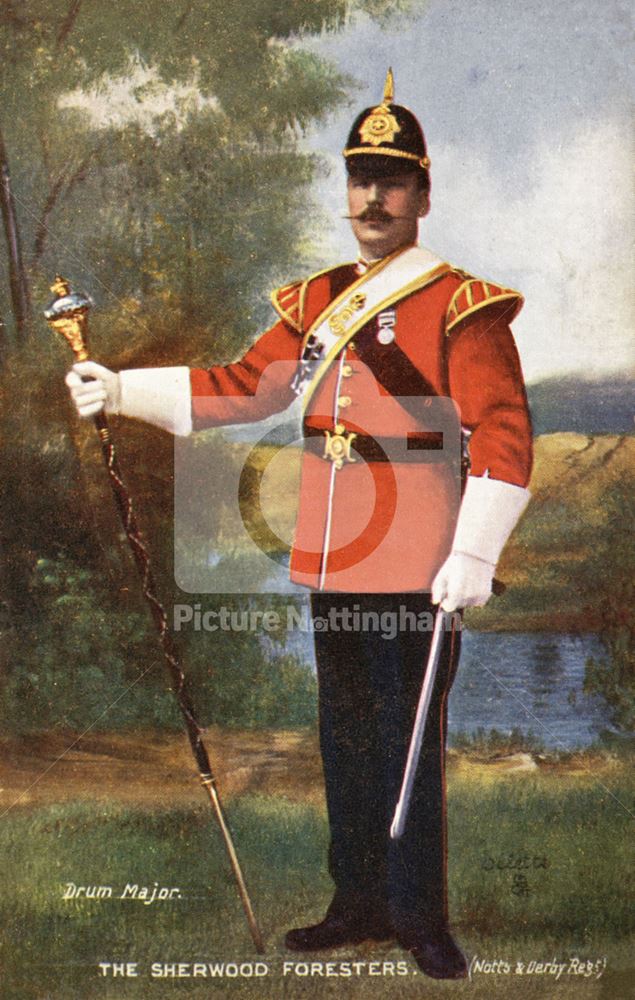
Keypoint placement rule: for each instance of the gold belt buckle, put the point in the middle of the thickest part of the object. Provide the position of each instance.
(337, 447)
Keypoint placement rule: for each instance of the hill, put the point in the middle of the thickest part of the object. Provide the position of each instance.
(583, 406)
(560, 555)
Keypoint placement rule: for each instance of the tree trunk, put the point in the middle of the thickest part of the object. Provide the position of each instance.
(18, 282)
(188, 277)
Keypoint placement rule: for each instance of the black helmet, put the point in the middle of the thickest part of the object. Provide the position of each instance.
(387, 139)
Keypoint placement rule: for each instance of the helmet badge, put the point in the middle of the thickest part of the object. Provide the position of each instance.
(381, 125)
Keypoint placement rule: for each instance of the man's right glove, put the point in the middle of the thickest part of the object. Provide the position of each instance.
(160, 396)
(101, 391)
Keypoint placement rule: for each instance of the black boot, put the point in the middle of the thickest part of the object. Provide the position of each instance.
(437, 954)
(342, 925)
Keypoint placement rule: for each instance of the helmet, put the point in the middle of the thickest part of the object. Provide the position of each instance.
(387, 139)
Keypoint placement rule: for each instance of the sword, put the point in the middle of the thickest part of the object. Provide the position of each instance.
(68, 315)
(414, 750)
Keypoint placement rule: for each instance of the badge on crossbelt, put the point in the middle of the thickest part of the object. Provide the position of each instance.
(386, 326)
(307, 364)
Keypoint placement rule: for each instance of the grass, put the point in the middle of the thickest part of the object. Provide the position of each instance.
(570, 840)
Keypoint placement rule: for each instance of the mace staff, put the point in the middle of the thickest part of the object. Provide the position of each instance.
(68, 315)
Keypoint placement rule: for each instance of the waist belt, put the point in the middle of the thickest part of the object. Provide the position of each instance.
(340, 446)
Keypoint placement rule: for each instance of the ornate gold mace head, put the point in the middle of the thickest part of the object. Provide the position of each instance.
(68, 315)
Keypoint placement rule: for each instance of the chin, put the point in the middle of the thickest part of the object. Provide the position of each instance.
(375, 238)
(381, 248)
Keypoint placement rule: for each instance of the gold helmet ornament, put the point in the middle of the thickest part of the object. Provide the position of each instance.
(386, 139)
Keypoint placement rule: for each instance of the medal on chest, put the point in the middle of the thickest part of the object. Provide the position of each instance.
(386, 321)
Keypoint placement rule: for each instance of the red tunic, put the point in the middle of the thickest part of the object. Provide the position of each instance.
(386, 525)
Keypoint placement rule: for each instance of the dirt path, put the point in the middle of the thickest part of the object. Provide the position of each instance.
(150, 769)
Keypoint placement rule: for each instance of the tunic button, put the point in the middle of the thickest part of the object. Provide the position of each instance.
(347, 371)
(353, 345)
(343, 401)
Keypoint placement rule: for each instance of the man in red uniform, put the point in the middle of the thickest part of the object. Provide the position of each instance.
(382, 527)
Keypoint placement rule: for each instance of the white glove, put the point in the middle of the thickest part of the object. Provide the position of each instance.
(489, 512)
(462, 582)
(160, 396)
(102, 392)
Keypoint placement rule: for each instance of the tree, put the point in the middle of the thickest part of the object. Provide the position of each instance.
(613, 675)
(163, 221)
(260, 90)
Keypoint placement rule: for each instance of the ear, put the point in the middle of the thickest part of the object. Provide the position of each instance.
(424, 204)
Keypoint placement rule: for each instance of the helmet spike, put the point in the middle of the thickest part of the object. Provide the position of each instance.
(389, 88)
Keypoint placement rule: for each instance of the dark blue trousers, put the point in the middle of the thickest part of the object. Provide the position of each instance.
(369, 687)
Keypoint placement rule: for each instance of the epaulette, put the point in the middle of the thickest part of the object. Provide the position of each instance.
(288, 301)
(474, 294)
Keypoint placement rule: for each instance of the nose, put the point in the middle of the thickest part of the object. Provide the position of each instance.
(374, 193)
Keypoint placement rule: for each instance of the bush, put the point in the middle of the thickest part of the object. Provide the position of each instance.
(83, 661)
(88, 660)
(613, 579)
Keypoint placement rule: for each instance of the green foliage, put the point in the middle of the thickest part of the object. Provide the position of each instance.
(246, 678)
(161, 206)
(83, 662)
(89, 660)
(177, 216)
(495, 743)
(612, 571)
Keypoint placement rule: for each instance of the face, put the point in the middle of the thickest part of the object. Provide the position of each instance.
(385, 211)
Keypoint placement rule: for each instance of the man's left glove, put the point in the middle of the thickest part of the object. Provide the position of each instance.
(489, 512)
(462, 582)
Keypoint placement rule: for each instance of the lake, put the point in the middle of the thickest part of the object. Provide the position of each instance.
(531, 682)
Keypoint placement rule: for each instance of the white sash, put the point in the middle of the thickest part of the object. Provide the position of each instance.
(385, 283)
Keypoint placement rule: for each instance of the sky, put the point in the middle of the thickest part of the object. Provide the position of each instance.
(527, 111)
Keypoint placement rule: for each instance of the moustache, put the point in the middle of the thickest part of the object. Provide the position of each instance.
(376, 215)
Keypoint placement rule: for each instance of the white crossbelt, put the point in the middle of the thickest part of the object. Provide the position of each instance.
(381, 286)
